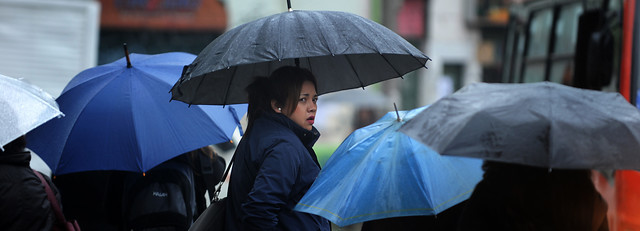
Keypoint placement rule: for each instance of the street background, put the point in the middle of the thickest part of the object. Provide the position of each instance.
(48, 42)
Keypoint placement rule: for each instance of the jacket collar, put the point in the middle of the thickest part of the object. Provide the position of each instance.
(307, 137)
(17, 158)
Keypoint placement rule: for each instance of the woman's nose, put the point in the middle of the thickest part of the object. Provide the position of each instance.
(313, 107)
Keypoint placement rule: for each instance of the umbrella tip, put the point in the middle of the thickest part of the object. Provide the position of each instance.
(289, 6)
(126, 54)
(397, 113)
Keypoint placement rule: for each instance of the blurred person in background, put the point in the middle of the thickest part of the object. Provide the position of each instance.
(208, 169)
(23, 200)
(517, 197)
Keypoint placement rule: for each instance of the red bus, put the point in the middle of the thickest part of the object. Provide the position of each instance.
(590, 44)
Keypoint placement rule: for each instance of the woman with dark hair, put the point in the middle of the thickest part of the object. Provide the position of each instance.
(274, 163)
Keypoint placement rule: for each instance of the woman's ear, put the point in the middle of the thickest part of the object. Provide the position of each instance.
(275, 107)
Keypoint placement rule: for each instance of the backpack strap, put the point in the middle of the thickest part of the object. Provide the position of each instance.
(52, 199)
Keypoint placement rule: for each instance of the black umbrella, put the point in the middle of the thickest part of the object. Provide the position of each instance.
(539, 124)
(341, 49)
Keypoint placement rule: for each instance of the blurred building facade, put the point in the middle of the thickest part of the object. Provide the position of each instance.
(462, 37)
(158, 26)
(47, 42)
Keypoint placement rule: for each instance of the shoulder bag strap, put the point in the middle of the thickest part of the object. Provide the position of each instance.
(52, 199)
(226, 172)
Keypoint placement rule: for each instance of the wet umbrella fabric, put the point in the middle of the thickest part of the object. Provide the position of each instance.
(378, 172)
(539, 124)
(121, 118)
(23, 107)
(341, 49)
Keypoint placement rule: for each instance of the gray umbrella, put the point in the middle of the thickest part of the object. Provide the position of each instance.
(342, 50)
(539, 124)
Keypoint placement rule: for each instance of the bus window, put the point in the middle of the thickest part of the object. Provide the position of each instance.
(512, 37)
(566, 36)
(567, 29)
(534, 73)
(539, 32)
(517, 64)
(538, 46)
(562, 72)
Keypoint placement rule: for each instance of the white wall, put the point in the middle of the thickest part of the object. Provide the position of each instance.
(48, 42)
(450, 41)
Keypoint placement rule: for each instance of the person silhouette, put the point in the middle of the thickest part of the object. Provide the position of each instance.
(519, 197)
(23, 199)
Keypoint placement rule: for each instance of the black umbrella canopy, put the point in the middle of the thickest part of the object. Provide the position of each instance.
(342, 50)
(538, 124)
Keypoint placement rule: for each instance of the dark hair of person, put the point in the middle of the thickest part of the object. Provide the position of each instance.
(195, 155)
(283, 86)
(17, 145)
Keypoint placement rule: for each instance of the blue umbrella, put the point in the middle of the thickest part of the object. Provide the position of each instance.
(119, 117)
(378, 172)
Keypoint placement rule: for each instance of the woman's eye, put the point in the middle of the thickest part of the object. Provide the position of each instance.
(303, 99)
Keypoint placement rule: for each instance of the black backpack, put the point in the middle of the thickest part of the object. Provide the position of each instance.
(163, 199)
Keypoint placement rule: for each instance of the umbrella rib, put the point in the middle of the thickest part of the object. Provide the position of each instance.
(82, 111)
(369, 40)
(197, 89)
(226, 94)
(391, 65)
(322, 35)
(422, 64)
(134, 122)
(309, 63)
(378, 49)
(354, 71)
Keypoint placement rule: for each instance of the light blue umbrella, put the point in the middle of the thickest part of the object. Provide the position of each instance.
(119, 117)
(378, 172)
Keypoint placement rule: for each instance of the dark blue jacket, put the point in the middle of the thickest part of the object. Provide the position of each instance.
(273, 169)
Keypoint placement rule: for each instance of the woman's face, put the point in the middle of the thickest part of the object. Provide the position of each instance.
(305, 113)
